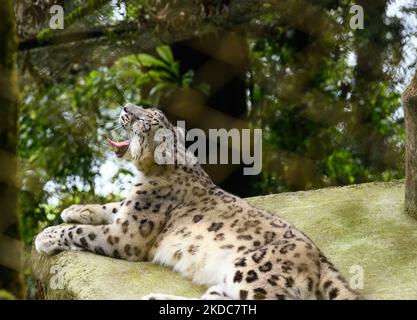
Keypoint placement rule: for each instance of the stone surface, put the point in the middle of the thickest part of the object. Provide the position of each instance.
(361, 225)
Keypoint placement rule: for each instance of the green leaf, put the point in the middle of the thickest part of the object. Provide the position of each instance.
(149, 61)
(159, 87)
(187, 78)
(204, 88)
(166, 54)
(159, 75)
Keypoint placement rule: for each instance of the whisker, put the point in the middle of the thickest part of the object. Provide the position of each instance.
(115, 127)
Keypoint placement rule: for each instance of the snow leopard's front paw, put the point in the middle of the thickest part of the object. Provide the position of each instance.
(49, 241)
(77, 213)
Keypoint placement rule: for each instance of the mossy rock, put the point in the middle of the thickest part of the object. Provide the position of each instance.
(6, 295)
(361, 225)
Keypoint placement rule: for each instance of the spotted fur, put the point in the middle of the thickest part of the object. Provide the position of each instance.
(177, 217)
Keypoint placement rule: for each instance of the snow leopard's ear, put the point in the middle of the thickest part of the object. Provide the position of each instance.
(170, 146)
(179, 152)
(183, 156)
(141, 128)
(164, 140)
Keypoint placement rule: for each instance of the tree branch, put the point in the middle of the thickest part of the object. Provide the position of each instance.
(239, 13)
(78, 13)
(74, 37)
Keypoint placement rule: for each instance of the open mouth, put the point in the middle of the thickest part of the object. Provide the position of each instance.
(120, 148)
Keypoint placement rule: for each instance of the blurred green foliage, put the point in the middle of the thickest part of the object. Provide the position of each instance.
(329, 116)
(329, 111)
(63, 129)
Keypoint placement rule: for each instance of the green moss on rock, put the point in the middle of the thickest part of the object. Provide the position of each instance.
(361, 225)
(6, 295)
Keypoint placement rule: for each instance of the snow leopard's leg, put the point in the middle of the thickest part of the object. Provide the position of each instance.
(119, 240)
(281, 270)
(94, 214)
(213, 293)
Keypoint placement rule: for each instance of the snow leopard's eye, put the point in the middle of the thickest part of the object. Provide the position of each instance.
(124, 119)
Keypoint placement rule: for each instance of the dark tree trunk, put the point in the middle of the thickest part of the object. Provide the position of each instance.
(10, 259)
(370, 144)
(409, 100)
(211, 57)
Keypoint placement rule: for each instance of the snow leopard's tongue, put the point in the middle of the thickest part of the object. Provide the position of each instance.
(120, 147)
